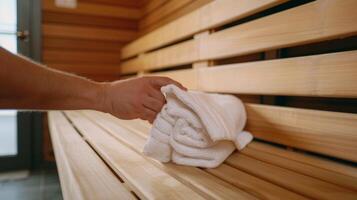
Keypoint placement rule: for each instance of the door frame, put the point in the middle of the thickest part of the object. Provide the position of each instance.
(29, 124)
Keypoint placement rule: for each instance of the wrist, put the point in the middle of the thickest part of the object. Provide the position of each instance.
(101, 97)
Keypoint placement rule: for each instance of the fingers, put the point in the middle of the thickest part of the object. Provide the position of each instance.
(158, 82)
(156, 94)
(153, 104)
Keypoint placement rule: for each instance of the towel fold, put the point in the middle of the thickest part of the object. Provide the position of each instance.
(197, 129)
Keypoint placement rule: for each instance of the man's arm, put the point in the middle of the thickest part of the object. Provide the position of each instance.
(28, 85)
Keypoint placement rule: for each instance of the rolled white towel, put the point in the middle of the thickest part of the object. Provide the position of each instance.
(197, 129)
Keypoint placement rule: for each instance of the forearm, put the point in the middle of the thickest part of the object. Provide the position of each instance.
(28, 85)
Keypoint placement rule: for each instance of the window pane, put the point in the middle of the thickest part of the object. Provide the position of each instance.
(8, 133)
(8, 18)
(8, 42)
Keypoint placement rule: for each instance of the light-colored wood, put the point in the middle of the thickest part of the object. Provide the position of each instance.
(82, 172)
(188, 8)
(302, 184)
(258, 187)
(162, 12)
(152, 5)
(146, 180)
(207, 17)
(316, 172)
(187, 77)
(329, 133)
(65, 31)
(89, 57)
(312, 22)
(205, 184)
(326, 75)
(263, 34)
(180, 54)
(94, 9)
(307, 159)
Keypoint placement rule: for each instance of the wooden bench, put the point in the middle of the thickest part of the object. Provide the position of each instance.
(298, 153)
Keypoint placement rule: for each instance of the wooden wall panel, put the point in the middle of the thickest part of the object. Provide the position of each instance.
(87, 40)
(160, 12)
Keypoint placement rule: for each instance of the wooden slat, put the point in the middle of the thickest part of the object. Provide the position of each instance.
(329, 133)
(299, 183)
(312, 22)
(91, 57)
(270, 32)
(146, 180)
(94, 69)
(88, 20)
(175, 15)
(74, 32)
(183, 53)
(205, 184)
(326, 75)
(162, 11)
(152, 5)
(187, 77)
(316, 172)
(83, 174)
(94, 9)
(259, 187)
(307, 159)
(83, 45)
(255, 186)
(126, 3)
(207, 17)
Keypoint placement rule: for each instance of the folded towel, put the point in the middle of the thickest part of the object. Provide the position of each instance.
(197, 129)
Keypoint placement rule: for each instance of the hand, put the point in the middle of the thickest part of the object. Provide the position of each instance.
(137, 98)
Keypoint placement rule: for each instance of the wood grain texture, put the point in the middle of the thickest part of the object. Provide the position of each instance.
(94, 9)
(75, 32)
(302, 184)
(89, 57)
(312, 22)
(325, 75)
(183, 53)
(146, 180)
(126, 3)
(98, 69)
(53, 43)
(88, 20)
(152, 5)
(186, 9)
(329, 133)
(269, 32)
(187, 77)
(204, 18)
(83, 175)
(203, 183)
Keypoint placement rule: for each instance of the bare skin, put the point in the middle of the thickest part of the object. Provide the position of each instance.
(28, 85)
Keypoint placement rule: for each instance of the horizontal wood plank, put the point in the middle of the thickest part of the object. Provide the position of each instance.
(204, 18)
(267, 33)
(76, 159)
(146, 180)
(205, 184)
(183, 53)
(93, 69)
(51, 43)
(329, 133)
(91, 57)
(94, 9)
(74, 32)
(302, 184)
(88, 20)
(326, 75)
(312, 22)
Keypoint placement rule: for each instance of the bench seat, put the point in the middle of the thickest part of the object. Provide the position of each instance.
(262, 170)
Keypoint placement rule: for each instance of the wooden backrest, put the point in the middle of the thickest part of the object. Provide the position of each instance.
(212, 33)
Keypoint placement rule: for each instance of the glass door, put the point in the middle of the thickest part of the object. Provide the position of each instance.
(15, 127)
